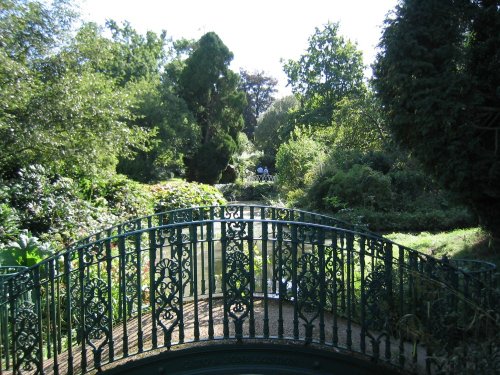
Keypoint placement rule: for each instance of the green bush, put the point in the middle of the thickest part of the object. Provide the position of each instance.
(181, 194)
(53, 208)
(9, 223)
(410, 221)
(251, 191)
(295, 161)
(124, 197)
(360, 186)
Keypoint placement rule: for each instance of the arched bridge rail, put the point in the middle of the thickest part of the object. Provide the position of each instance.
(237, 274)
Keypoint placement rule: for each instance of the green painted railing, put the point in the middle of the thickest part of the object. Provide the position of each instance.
(239, 273)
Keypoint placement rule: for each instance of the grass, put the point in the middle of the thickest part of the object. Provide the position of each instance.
(472, 243)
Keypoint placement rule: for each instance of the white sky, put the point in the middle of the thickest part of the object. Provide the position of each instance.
(259, 32)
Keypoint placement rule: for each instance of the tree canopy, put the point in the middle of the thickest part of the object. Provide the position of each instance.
(259, 90)
(438, 76)
(329, 71)
(210, 90)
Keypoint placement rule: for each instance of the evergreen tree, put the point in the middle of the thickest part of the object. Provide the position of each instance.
(210, 90)
(438, 76)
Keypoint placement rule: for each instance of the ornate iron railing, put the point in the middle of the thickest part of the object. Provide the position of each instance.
(240, 273)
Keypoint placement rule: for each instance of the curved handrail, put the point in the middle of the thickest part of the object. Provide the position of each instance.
(85, 299)
(200, 212)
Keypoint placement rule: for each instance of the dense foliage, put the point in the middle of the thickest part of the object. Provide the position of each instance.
(180, 194)
(259, 90)
(91, 115)
(438, 76)
(329, 71)
(210, 90)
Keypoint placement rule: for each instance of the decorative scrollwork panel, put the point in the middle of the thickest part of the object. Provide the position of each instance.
(308, 292)
(96, 331)
(167, 293)
(26, 339)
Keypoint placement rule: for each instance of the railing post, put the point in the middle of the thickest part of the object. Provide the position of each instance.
(251, 256)
(389, 297)
(53, 313)
(322, 286)
(211, 276)
(349, 286)
(294, 281)
(264, 225)
(401, 268)
(179, 250)
(362, 341)
(152, 292)
(138, 255)
(69, 315)
(224, 241)
(109, 259)
(123, 286)
(194, 251)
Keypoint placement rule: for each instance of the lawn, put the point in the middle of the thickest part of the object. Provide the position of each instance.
(472, 243)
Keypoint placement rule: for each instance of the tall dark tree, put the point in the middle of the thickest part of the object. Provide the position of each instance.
(259, 90)
(210, 90)
(438, 76)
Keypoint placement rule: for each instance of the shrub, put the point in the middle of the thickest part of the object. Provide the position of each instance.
(9, 223)
(181, 194)
(124, 197)
(410, 221)
(359, 186)
(295, 161)
(52, 207)
(251, 191)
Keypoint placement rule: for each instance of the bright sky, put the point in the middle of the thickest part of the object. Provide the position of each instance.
(259, 32)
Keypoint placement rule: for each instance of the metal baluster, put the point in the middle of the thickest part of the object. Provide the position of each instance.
(322, 280)
(342, 274)
(152, 294)
(38, 307)
(69, 323)
(202, 240)
(335, 328)
(401, 304)
(81, 275)
(282, 287)
(59, 310)
(122, 282)
(350, 249)
(211, 276)
(276, 279)
(109, 261)
(138, 254)
(264, 225)
(224, 271)
(294, 282)
(362, 342)
(54, 313)
(194, 251)
(48, 318)
(181, 286)
(251, 255)
(390, 302)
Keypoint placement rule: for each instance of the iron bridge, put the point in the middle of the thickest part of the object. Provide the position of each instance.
(242, 290)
